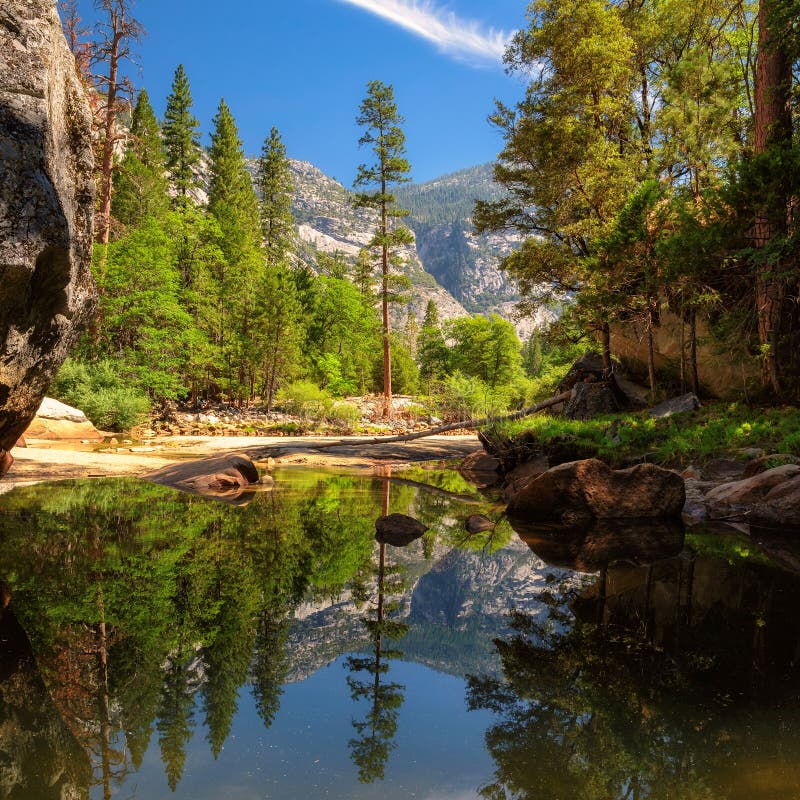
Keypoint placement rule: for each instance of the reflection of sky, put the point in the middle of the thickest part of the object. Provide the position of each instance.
(440, 753)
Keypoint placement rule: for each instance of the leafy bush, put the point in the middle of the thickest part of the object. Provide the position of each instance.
(464, 397)
(304, 399)
(101, 393)
(346, 414)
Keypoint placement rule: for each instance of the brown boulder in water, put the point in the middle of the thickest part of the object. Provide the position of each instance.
(227, 478)
(398, 530)
(580, 491)
(46, 209)
(478, 523)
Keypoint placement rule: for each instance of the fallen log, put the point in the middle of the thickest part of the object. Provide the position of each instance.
(452, 426)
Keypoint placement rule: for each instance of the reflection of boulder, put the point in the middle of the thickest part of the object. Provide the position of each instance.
(478, 523)
(582, 490)
(398, 530)
(39, 757)
(228, 478)
(738, 619)
(588, 549)
(480, 469)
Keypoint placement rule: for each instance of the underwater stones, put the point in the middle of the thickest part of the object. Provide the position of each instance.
(46, 209)
(589, 489)
(398, 530)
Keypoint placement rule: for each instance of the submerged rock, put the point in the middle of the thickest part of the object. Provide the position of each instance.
(398, 530)
(584, 490)
(46, 209)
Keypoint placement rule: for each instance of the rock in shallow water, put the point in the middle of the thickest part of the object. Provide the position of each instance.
(589, 489)
(46, 209)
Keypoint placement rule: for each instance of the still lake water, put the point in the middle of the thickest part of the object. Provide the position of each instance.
(159, 645)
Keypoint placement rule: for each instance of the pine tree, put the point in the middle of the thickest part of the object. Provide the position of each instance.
(274, 182)
(378, 114)
(412, 333)
(433, 353)
(181, 137)
(141, 188)
(233, 203)
(364, 275)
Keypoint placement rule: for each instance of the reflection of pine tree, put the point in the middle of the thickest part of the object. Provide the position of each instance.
(175, 720)
(270, 664)
(370, 750)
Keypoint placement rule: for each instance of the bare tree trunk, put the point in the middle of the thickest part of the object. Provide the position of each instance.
(605, 339)
(651, 356)
(387, 346)
(693, 353)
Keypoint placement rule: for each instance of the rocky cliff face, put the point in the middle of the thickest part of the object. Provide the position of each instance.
(46, 209)
(447, 263)
(327, 222)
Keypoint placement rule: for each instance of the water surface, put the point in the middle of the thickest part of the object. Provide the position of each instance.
(159, 645)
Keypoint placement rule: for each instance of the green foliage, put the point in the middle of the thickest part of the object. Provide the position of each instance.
(274, 183)
(684, 438)
(140, 186)
(304, 399)
(486, 348)
(181, 139)
(101, 393)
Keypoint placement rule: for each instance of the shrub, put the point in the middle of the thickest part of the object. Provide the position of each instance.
(304, 399)
(101, 393)
(346, 414)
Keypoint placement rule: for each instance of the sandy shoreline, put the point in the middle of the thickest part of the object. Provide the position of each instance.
(54, 461)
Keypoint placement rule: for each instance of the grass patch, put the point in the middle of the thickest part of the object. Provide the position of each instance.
(712, 431)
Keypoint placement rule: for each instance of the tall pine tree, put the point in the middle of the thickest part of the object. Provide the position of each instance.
(233, 203)
(274, 182)
(181, 137)
(379, 116)
(141, 188)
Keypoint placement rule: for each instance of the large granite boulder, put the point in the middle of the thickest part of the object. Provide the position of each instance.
(46, 209)
(580, 491)
(56, 421)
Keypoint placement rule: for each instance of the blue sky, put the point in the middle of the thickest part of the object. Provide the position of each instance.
(303, 66)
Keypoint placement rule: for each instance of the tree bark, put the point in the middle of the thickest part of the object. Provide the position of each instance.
(605, 338)
(772, 128)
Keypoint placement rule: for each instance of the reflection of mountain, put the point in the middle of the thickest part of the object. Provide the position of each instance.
(454, 609)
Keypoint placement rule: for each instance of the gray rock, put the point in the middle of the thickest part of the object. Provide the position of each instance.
(590, 400)
(684, 404)
(46, 208)
(228, 478)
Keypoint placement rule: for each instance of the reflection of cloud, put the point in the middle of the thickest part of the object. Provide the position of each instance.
(457, 794)
(450, 33)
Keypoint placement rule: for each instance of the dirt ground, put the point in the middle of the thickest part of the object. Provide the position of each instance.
(55, 461)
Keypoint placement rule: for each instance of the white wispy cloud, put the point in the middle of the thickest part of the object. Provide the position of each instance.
(450, 33)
